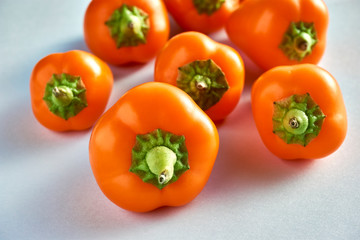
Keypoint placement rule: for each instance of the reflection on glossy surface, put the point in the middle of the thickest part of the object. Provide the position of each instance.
(264, 21)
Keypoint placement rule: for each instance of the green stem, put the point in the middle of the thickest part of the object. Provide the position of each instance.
(159, 157)
(161, 161)
(297, 119)
(299, 40)
(62, 95)
(204, 81)
(128, 26)
(207, 6)
(65, 95)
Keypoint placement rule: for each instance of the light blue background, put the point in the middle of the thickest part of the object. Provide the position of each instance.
(47, 190)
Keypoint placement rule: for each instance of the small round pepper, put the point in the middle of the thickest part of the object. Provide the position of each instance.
(299, 111)
(204, 16)
(210, 72)
(124, 31)
(69, 91)
(274, 33)
(155, 147)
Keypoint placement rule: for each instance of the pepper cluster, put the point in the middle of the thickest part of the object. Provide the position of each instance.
(158, 143)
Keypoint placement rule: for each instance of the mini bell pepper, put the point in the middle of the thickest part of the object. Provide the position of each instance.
(210, 72)
(155, 147)
(204, 16)
(69, 91)
(124, 31)
(274, 33)
(299, 111)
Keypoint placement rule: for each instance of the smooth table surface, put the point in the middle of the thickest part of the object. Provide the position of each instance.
(47, 189)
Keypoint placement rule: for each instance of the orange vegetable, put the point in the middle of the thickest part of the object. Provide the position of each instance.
(153, 148)
(299, 111)
(69, 91)
(204, 16)
(274, 33)
(123, 31)
(210, 72)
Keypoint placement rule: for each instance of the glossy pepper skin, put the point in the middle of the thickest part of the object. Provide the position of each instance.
(99, 40)
(141, 110)
(191, 46)
(284, 81)
(97, 79)
(186, 15)
(258, 28)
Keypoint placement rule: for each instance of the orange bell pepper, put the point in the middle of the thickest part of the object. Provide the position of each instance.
(124, 31)
(204, 16)
(274, 33)
(69, 91)
(155, 147)
(210, 72)
(299, 111)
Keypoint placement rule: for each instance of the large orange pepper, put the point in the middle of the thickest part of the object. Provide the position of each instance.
(69, 91)
(274, 33)
(155, 147)
(210, 72)
(204, 16)
(299, 111)
(123, 31)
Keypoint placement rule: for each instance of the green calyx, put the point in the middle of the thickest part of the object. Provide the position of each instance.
(204, 81)
(65, 95)
(128, 26)
(159, 157)
(207, 6)
(297, 119)
(299, 40)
